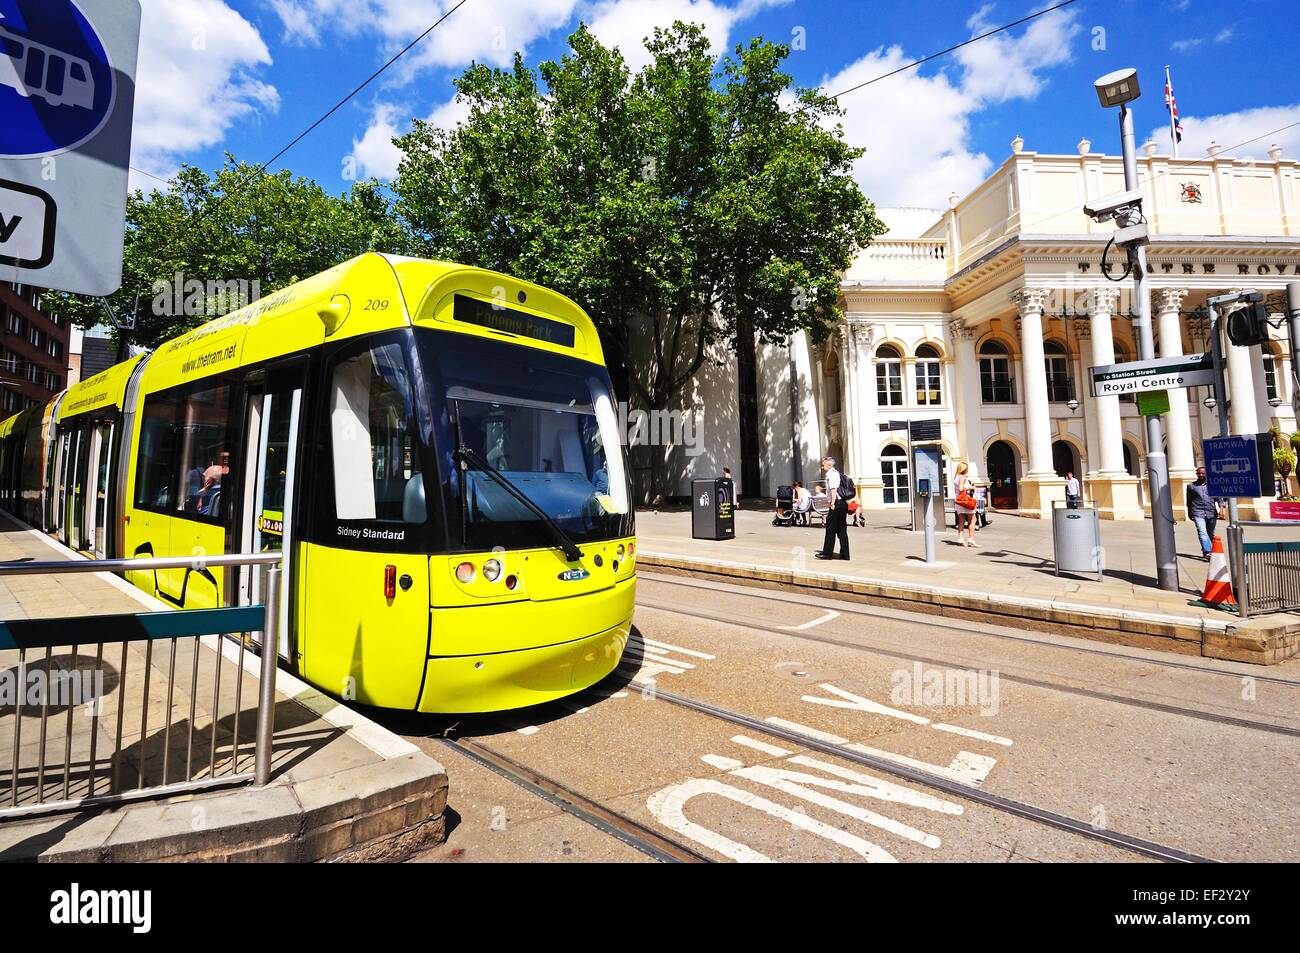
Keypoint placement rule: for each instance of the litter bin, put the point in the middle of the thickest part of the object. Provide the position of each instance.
(1076, 539)
(713, 513)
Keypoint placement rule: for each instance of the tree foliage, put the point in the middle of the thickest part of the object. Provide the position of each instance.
(232, 226)
(698, 201)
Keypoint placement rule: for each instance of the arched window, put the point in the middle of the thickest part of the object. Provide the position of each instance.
(831, 381)
(1057, 364)
(889, 376)
(997, 386)
(929, 376)
(893, 470)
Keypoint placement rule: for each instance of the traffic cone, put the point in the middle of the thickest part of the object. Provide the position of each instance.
(1218, 584)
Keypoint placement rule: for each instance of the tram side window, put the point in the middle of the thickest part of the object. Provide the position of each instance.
(204, 439)
(376, 458)
(156, 462)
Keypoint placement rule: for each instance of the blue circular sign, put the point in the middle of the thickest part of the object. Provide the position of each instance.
(56, 83)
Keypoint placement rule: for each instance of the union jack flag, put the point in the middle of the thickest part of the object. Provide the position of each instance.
(1172, 106)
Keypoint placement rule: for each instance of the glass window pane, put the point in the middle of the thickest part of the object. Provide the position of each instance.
(375, 453)
(204, 440)
(156, 461)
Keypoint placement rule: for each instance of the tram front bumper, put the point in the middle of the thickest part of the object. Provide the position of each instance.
(504, 680)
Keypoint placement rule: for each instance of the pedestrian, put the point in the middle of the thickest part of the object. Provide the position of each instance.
(981, 507)
(835, 517)
(964, 504)
(1071, 490)
(1204, 511)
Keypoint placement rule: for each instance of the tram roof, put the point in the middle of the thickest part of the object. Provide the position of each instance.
(105, 389)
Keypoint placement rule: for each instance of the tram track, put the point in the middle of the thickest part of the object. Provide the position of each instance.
(940, 622)
(619, 826)
(894, 652)
(966, 792)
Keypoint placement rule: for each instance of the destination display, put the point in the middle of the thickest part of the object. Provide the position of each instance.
(1165, 373)
(500, 318)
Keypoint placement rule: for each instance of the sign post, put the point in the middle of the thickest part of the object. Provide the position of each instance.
(67, 93)
(1147, 377)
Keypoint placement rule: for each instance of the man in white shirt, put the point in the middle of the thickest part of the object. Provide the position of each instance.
(1071, 491)
(836, 524)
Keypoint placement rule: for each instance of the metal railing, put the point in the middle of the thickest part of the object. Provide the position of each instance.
(29, 790)
(1265, 572)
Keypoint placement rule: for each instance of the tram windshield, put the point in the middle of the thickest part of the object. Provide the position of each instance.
(548, 425)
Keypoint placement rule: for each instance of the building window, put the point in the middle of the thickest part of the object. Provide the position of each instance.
(1270, 376)
(889, 376)
(929, 374)
(997, 386)
(1057, 364)
(893, 470)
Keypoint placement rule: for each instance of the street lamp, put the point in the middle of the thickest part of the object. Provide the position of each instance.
(1119, 89)
(1073, 402)
(1210, 403)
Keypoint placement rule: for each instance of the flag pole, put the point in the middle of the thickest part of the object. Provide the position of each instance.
(1169, 100)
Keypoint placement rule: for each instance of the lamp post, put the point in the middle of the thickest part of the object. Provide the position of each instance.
(1073, 402)
(1119, 89)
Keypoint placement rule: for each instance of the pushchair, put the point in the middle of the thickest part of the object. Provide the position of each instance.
(784, 515)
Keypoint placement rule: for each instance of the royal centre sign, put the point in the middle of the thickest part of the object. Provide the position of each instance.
(1144, 377)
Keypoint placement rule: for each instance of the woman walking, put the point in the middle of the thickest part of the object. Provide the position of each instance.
(964, 502)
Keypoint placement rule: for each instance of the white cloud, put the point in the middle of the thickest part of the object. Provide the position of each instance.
(916, 127)
(626, 23)
(196, 80)
(1182, 46)
(1230, 129)
(1224, 35)
(374, 153)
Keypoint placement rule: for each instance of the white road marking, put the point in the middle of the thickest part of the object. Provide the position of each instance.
(830, 614)
(805, 730)
(721, 763)
(619, 695)
(965, 768)
(679, 650)
(972, 733)
(762, 746)
(667, 805)
(664, 660)
(858, 703)
(885, 790)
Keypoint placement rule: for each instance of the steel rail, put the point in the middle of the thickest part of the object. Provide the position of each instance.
(622, 828)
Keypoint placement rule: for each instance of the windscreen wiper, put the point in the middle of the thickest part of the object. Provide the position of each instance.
(568, 546)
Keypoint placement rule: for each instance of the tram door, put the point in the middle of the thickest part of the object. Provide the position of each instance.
(97, 470)
(274, 409)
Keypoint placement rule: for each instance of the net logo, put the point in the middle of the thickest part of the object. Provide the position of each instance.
(56, 83)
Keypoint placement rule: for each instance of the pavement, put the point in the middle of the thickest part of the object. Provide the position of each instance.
(1010, 573)
(342, 786)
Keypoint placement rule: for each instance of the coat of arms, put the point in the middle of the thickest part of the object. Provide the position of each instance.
(1191, 192)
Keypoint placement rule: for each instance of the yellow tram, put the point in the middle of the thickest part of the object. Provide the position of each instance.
(435, 448)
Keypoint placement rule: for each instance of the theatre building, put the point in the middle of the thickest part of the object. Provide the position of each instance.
(988, 315)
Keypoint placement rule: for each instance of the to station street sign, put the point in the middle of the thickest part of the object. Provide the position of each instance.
(67, 93)
(1144, 377)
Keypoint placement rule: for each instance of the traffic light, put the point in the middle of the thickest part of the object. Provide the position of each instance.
(1249, 325)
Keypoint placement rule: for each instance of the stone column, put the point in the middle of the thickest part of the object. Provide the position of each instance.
(1113, 490)
(1178, 422)
(1241, 389)
(1040, 485)
(968, 403)
(864, 440)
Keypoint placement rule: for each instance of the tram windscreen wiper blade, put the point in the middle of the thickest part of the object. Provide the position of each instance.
(567, 545)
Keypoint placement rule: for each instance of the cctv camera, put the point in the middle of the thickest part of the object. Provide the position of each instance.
(1111, 206)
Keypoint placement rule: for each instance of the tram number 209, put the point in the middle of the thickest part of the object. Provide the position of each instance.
(376, 304)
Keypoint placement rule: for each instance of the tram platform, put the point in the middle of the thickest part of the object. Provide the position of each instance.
(1010, 573)
(342, 787)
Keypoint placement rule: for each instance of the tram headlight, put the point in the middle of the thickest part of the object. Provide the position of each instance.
(621, 550)
(465, 572)
(492, 570)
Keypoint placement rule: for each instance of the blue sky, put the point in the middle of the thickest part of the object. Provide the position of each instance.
(247, 76)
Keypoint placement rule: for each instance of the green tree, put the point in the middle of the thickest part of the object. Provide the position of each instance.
(698, 202)
(225, 231)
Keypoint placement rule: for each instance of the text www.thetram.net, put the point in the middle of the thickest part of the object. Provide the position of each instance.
(1202, 920)
(211, 357)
